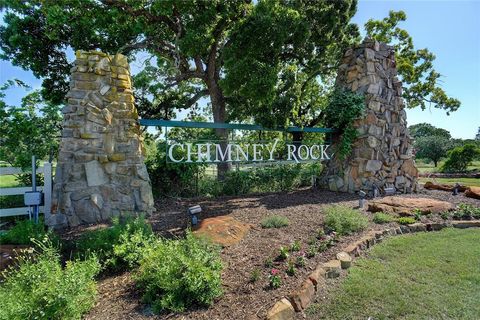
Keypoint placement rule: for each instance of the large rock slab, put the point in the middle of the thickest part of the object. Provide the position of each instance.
(443, 187)
(473, 192)
(407, 206)
(223, 230)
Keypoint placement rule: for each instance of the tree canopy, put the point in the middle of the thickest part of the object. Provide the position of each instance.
(415, 66)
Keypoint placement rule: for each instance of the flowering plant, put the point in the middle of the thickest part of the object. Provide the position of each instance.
(274, 278)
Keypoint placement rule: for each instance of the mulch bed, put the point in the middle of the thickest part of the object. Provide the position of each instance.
(119, 299)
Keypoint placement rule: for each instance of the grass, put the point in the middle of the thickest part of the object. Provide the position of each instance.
(344, 220)
(474, 182)
(417, 276)
(381, 217)
(9, 181)
(425, 167)
(274, 222)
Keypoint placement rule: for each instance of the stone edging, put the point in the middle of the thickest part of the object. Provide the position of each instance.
(298, 300)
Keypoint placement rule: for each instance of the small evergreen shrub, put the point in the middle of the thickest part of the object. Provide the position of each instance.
(274, 221)
(344, 220)
(255, 275)
(381, 218)
(177, 274)
(39, 288)
(26, 231)
(406, 220)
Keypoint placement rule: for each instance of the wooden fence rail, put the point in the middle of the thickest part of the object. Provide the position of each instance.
(46, 188)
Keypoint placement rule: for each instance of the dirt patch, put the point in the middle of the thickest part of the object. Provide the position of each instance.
(118, 298)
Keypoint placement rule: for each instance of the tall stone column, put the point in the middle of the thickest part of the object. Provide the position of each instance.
(382, 154)
(100, 170)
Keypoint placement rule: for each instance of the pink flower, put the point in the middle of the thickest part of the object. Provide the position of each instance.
(275, 272)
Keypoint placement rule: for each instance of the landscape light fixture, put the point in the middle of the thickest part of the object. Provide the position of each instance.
(193, 211)
(389, 191)
(376, 192)
(361, 202)
(455, 189)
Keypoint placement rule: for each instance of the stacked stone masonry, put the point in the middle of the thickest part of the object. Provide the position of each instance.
(100, 171)
(382, 154)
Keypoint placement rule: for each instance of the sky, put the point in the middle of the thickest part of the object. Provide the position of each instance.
(450, 29)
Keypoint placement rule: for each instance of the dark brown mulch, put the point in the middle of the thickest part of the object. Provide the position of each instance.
(118, 298)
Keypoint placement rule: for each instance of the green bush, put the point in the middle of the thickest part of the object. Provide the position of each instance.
(381, 218)
(344, 220)
(466, 212)
(274, 222)
(38, 288)
(460, 157)
(406, 220)
(178, 274)
(25, 231)
(118, 247)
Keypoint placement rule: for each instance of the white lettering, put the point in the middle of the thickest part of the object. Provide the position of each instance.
(203, 156)
(324, 152)
(257, 152)
(311, 152)
(228, 152)
(189, 152)
(270, 151)
(300, 152)
(239, 148)
(170, 152)
(292, 153)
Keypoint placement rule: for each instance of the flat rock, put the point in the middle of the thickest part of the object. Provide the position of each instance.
(333, 268)
(473, 192)
(407, 206)
(282, 310)
(443, 187)
(302, 297)
(223, 230)
(345, 259)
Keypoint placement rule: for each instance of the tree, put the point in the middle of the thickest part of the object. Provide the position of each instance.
(284, 77)
(415, 66)
(431, 147)
(460, 157)
(477, 136)
(425, 130)
(30, 129)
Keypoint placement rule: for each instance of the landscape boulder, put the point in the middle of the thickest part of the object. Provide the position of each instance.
(407, 206)
(223, 230)
(473, 192)
(443, 187)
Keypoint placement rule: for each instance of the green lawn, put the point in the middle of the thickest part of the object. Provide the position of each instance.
(424, 167)
(8, 181)
(417, 276)
(463, 181)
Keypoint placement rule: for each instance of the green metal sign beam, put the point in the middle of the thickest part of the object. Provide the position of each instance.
(212, 125)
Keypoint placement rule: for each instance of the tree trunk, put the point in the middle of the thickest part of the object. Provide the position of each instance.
(435, 163)
(219, 116)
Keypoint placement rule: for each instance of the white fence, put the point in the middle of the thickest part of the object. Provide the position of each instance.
(46, 188)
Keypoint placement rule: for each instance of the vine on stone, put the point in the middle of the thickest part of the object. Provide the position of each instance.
(343, 109)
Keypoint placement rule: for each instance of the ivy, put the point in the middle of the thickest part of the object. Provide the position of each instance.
(343, 109)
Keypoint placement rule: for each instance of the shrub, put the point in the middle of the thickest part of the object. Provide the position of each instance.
(38, 288)
(344, 220)
(460, 157)
(274, 222)
(445, 215)
(25, 231)
(406, 220)
(118, 247)
(466, 212)
(312, 251)
(381, 218)
(177, 274)
(268, 263)
(300, 261)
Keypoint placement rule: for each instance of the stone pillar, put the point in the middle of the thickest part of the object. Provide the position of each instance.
(382, 154)
(100, 170)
